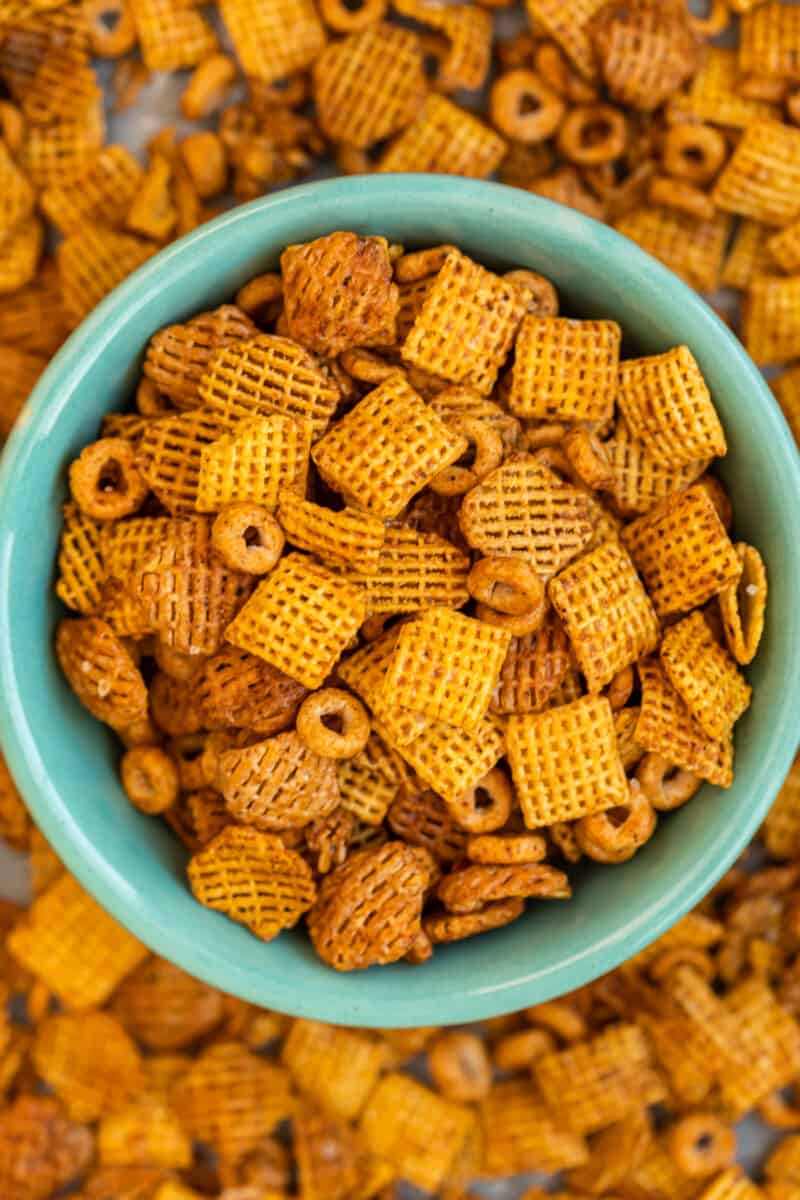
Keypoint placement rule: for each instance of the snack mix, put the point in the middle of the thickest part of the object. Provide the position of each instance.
(402, 604)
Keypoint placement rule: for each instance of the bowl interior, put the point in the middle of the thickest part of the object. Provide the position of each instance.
(65, 762)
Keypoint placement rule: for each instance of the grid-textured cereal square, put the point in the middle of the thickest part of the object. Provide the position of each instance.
(336, 1067)
(769, 42)
(273, 39)
(714, 96)
(256, 462)
(277, 784)
(767, 1048)
(762, 177)
(667, 728)
(748, 255)
(692, 247)
(565, 370)
(365, 672)
(771, 318)
(179, 355)
(445, 140)
(20, 250)
(349, 538)
(704, 675)
(521, 1133)
(171, 35)
(416, 570)
(93, 261)
(640, 480)
(566, 23)
(105, 193)
(368, 783)
(448, 759)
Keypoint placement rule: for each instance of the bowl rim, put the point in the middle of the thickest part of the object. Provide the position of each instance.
(52, 812)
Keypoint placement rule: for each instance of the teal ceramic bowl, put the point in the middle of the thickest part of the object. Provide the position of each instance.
(66, 764)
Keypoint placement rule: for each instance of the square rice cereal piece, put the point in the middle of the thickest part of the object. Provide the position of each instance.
(336, 1067)
(565, 761)
(416, 570)
(386, 449)
(748, 255)
(769, 42)
(445, 140)
(105, 194)
(704, 675)
(524, 510)
(171, 35)
(761, 179)
(781, 830)
(446, 665)
(338, 293)
(666, 727)
(368, 783)
(667, 405)
(787, 390)
(91, 263)
(257, 462)
(768, 1048)
(369, 85)
(714, 96)
(349, 538)
(267, 374)
(606, 612)
(732, 1184)
(640, 480)
(565, 21)
(448, 759)
(784, 249)
(74, 946)
(420, 1133)
(771, 318)
(467, 324)
(299, 619)
(521, 1133)
(565, 370)
(682, 552)
(690, 246)
(365, 672)
(592, 1084)
(273, 38)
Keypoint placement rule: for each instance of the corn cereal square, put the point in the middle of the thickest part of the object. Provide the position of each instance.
(258, 461)
(692, 247)
(769, 42)
(666, 727)
(336, 1067)
(762, 177)
(448, 759)
(365, 672)
(445, 140)
(704, 675)
(714, 96)
(522, 1134)
(771, 318)
(416, 570)
(565, 370)
(273, 39)
(640, 479)
(349, 538)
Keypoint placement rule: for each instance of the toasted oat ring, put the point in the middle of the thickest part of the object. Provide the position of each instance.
(514, 848)
(105, 482)
(485, 807)
(112, 32)
(150, 779)
(452, 927)
(333, 705)
(508, 585)
(259, 293)
(517, 626)
(701, 1144)
(664, 785)
(619, 690)
(342, 19)
(693, 152)
(12, 126)
(421, 264)
(615, 835)
(524, 107)
(715, 21)
(552, 64)
(149, 401)
(588, 458)
(247, 538)
(367, 367)
(592, 134)
(488, 444)
(459, 1065)
(544, 297)
(743, 606)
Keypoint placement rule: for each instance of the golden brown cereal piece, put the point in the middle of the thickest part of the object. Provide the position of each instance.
(692, 248)
(524, 107)
(664, 785)
(767, 1047)
(101, 672)
(299, 619)
(111, 29)
(680, 195)
(89, 1062)
(18, 197)
(606, 612)
(164, 1008)
(770, 324)
(152, 212)
(446, 665)
(198, 817)
(762, 177)
(330, 1160)
(666, 727)
(769, 42)
(566, 186)
(641, 480)
(232, 1099)
(694, 152)
(616, 1152)
(171, 36)
(278, 784)
(247, 537)
(255, 463)
(60, 153)
(104, 481)
(341, 19)
(445, 140)
(452, 335)
(63, 84)
(702, 1144)
(333, 724)
(386, 449)
(534, 667)
(252, 878)
(565, 369)
(365, 673)
(357, 270)
(178, 356)
(369, 910)
(714, 95)
(666, 405)
(509, 586)
(593, 134)
(369, 85)
(32, 319)
(781, 829)
(466, 31)
(568, 25)
(459, 1066)
(273, 40)
(208, 86)
(523, 1134)
(81, 570)
(523, 509)
(40, 1149)
(447, 759)
(486, 806)
(150, 779)
(506, 849)
(417, 570)
(592, 1084)
(349, 538)
(784, 247)
(336, 1067)
(646, 51)
(614, 837)
(237, 689)
(449, 927)
(368, 783)
(173, 706)
(91, 262)
(422, 818)
(682, 552)
(588, 457)
(704, 675)
(204, 157)
(553, 782)
(20, 250)
(14, 822)
(268, 374)
(396, 1125)
(466, 890)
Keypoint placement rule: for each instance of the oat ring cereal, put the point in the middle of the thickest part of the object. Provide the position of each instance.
(702, 1144)
(150, 779)
(112, 31)
(248, 538)
(259, 293)
(665, 785)
(615, 834)
(518, 626)
(333, 724)
(509, 585)
(524, 107)
(588, 458)
(593, 134)
(693, 152)
(104, 481)
(345, 18)
(543, 296)
(486, 806)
